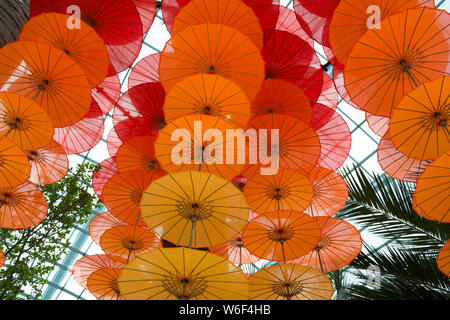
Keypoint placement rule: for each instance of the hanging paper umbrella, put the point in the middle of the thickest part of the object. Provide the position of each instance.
(194, 209)
(329, 95)
(290, 282)
(147, 13)
(232, 13)
(124, 243)
(118, 24)
(235, 251)
(298, 145)
(433, 190)
(126, 130)
(213, 49)
(138, 154)
(351, 20)
(208, 94)
(107, 93)
(22, 207)
(281, 235)
(102, 223)
(102, 174)
(145, 71)
(102, 284)
(14, 165)
(81, 44)
(169, 9)
(443, 259)
(48, 76)
(379, 125)
(334, 135)
(419, 124)
(48, 164)
(289, 58)
(181, 273)
(23, 121)
(123, 192)
(83, 135)
(202, 149)
(281, 97)
(143, 103)
(266, 10)
(2, 258)
(396, 164)
(84, 267)
(288, 189)
(330, 192)
(378, 75)
(339, 244)
(288, 21)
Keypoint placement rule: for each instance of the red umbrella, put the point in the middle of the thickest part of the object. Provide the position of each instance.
(83, 135)
(288, 21)
(126, 130)
(145, 71)
(147, 12)
(104, 171)
(118, 23)
(266, 10)
(170, 8)
(107, 93)
(379, 125)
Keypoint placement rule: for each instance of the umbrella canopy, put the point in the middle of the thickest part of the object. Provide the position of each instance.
(288, 189)
(123, 192)
(340, 243)
(208, 94)
(232, 13)
(118, 24)
(107, 93)
(330, 192)
(48, 164)
(194, 209)
(298, 145)
(169, 9)
(138, 154)
(350, 18)
(102, 223)
(281, 97)
(433, 190)
(443, 259)
(81, 44)
(48, 76)
(103, 172)
(378, 74)
(14, 165)
(379, 125)
(22, 207)
(290, 282)
(235, 251)
(267, 12)
(147, 13)
(102, 284)
(84, 267)
(199, 148)
(419, 124)
(24, 121)
(125, 242)
(281, 235)
(145, 71)
(213, 49)
(181, 273)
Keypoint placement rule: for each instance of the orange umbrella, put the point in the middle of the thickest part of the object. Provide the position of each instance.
(184, 274)
(330, 192)
(14, 165)
(102, 223)
(298, 145)
(209, 94)
(49, 77)
(124, 243)
(123, 192)
(232, 13)
(194, 209)
(350, 21)
(378, 74)
(443, 259)
(138, 154)
(48, 164)
(281, 97)
(288, 189)
(22, 207)
(433, 190)
(396, 164)
(84, 267)
(102, 284)
(23, 121)
(235, 251)
(281, 235)
(290, 282)
(339, 244)
(199, 149)
(2, 258)
(419, 124)
(212, 48)
(82, 44)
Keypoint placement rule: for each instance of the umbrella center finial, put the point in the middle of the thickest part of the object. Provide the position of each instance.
(184, 287)
(212, 70)
(439, 120)
(114, 286)
(281, 234)
(323, 243)
(31, 155)
(132, 245)
(288, 289)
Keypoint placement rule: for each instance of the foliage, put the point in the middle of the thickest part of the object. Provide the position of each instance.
(33, 253)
